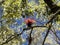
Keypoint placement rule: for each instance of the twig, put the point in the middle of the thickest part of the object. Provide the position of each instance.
(30, 38)
(54, 16)
(47, 34)
(33, 27)
(50, 21)
(11, 37)
(55, 34)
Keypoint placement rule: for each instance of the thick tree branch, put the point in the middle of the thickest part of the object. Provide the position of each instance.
(52, 6)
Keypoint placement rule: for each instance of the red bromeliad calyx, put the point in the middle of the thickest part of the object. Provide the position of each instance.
(29, 21)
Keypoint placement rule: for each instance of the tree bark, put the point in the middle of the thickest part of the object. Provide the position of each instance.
(52, 6)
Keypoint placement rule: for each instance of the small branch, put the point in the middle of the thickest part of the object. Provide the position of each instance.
(50, 21)
(47, 34)
(55, 34)
(33, 27)
(52, 6)
(11, 38)
(30, 38)
(54, 16)
(56, 37)
(2, 2)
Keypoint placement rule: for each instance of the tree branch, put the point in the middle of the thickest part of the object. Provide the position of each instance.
(52, 6)
(11, 38)
(30, 38)
(47, 33)
(55, 34)
(32, 27)
(50, 21)
(54, 16)
(2, 2)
